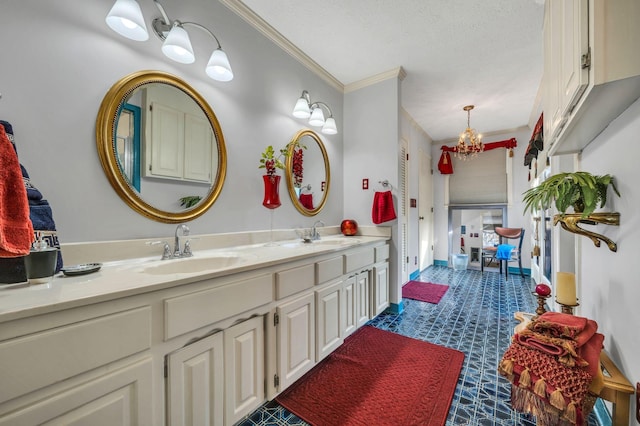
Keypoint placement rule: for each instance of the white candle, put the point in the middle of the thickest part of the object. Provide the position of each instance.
(566, 288)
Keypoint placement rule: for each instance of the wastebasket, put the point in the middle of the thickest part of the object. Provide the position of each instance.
(460, 261)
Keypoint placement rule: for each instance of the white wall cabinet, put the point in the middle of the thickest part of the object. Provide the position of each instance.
(591, 69)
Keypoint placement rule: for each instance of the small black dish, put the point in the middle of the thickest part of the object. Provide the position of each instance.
(83, 269)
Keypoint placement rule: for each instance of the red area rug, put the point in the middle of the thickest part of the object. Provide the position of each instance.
(378, 378)
(425, 292)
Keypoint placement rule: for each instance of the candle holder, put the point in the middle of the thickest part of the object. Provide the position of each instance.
(567, 309)
(541, 301)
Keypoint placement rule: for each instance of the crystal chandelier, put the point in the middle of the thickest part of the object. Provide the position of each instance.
(470, 142)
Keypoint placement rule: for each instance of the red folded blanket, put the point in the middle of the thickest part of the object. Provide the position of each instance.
(558, 324)
(564, 348)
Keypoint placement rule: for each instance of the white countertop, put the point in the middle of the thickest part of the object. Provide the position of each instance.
(124, 278)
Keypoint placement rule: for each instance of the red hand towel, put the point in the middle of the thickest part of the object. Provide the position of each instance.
(382, 210)
(16, 230)
(307, 201)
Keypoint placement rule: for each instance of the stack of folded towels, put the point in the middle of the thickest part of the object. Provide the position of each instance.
(554, 368)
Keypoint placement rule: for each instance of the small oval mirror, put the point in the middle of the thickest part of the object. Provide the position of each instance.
(161, 146)
(307, 172)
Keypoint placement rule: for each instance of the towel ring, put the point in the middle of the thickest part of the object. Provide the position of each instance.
(385, 184)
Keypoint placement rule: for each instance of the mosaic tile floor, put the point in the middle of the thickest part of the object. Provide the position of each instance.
(475, 316)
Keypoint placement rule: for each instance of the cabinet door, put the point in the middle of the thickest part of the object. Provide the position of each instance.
(120, 397)
(349, 306)
(362, 298)
(329, 319)
(196, 383)
(198, 161)
(295, 339)
(574, 42)
(380, 289)
(167, 142)
(244, 368)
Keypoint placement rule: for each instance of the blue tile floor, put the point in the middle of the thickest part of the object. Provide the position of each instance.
(475, 316)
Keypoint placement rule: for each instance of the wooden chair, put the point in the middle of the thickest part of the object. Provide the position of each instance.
(505, 235)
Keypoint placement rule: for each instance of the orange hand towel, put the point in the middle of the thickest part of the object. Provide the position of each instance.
(382, 210)
(16, 230)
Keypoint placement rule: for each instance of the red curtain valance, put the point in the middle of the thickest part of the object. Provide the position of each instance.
(445, 166)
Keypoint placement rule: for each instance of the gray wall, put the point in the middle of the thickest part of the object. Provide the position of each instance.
(60, 58)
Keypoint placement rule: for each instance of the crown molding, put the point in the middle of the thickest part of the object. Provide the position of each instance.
(415, 124)
(268, 31)
(398, 73)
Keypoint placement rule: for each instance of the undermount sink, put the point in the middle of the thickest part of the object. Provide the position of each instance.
(192, 265)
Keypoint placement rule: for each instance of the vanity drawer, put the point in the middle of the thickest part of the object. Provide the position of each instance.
(195, 310)
(358, 259)
(294, 280)
(60, 353)
(382, 253)
(329, 269)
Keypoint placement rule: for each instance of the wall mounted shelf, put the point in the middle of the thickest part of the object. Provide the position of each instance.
(569, 222)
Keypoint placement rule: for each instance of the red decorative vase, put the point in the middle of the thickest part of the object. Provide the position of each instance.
(349, 227)
(271, 195)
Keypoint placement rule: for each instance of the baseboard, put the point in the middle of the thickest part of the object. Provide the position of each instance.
(441, 262)
(415, 274)
(396, 308)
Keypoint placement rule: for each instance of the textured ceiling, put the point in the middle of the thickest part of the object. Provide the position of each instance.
(454, 52)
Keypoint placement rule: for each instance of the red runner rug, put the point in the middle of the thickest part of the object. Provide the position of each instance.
(425, 292)
(378, 378)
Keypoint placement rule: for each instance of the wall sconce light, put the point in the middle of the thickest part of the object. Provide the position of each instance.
(126, 19)
(313, 111)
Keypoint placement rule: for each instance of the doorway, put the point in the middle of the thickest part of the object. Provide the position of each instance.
(472, 227)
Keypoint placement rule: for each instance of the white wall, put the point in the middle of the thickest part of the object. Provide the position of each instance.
(371, 137)
(60, 58)
(608, 281)
(515, 211)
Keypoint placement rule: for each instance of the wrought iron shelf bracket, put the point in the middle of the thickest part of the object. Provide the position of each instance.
(569, 222)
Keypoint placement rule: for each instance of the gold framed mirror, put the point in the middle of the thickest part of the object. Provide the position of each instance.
(307, 172)
(161, 146)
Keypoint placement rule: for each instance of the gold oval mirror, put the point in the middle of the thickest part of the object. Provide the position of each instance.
(307, 172)
(161, 146)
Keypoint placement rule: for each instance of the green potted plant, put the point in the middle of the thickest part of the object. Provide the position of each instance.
(581, 190)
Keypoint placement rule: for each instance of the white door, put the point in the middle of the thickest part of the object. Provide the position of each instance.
(403, 209)
(244, 368)
(425, 210)
(167, 142)
(196, 383)
(295, 339)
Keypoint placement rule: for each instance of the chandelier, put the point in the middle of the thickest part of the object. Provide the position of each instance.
(470, 142)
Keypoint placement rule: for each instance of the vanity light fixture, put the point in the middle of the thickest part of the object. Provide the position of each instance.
(126, 19)
(304, 108)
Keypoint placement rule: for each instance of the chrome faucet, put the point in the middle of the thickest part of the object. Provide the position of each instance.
(177, 250)
(314, 232)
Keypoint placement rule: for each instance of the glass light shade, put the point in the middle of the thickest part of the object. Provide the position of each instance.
(218, 67)
(329, 127)
(125, 18)
(317, 117)
(301, 110)
(177, 46)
